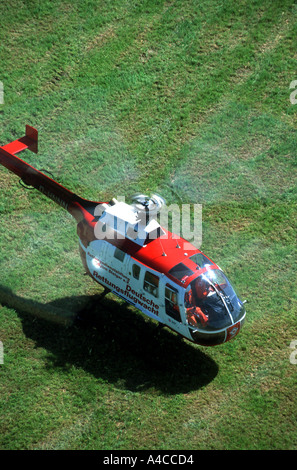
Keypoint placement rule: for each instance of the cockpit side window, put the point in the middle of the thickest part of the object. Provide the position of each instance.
(196, 316)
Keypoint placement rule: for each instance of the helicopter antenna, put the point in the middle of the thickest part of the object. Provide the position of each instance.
(163, 251)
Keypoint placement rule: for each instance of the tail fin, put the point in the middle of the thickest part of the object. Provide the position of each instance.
(29, 141)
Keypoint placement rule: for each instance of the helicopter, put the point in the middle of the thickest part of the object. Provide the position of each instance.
(125, 250)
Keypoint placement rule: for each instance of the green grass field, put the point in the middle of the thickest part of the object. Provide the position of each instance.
(190, 99)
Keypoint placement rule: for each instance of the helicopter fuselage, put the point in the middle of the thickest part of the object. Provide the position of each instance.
(159, 273)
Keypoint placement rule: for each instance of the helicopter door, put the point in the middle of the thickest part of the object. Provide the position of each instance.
(174, 308)
(171, 303)
(116, 267)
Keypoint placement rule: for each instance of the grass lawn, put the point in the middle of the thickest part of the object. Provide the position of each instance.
(189, 99)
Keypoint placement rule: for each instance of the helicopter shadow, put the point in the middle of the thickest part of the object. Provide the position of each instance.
(116, 343)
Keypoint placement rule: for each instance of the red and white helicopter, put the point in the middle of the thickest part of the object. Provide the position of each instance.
(126, 251)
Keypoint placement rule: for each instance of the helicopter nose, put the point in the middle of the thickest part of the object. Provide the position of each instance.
(218, 311)
(213, 338)
(233, 330)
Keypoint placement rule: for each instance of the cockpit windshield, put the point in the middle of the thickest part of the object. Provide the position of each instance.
(211, 302)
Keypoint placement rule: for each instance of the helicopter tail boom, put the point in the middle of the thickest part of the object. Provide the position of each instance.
(34, 178)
